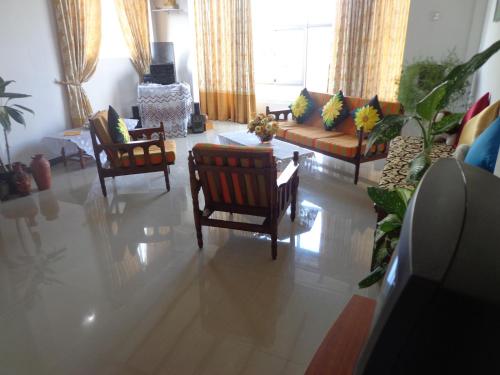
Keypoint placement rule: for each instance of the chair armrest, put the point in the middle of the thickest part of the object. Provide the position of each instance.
(145, 143)
(278, 114)
(148, 132)
(287, 174)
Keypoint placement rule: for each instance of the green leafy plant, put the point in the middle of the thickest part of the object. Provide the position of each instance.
(394, 203)
(427, 113)
(421, 76)
(7, 114)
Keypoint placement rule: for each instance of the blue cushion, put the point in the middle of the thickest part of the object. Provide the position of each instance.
(484, 151)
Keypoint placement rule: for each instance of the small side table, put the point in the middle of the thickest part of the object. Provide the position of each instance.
(76, 144)
(79, 156)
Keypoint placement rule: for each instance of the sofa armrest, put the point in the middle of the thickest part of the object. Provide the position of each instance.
(277, 114)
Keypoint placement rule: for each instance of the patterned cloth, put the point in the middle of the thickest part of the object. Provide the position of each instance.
(170, 104)
(80, 140)
(401, 152)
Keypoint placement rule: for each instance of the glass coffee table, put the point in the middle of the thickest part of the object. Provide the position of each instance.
(283, 151)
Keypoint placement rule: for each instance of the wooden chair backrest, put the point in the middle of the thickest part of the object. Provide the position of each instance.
(243, 178)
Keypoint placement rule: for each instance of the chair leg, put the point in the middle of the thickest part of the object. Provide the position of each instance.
(103, 186)
(274, 243)
(167, 180)
(295, 186)
(199, 233)
(356, 173)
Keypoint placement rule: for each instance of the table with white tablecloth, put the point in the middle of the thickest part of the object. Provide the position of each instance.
(76, 142)
(167, 104)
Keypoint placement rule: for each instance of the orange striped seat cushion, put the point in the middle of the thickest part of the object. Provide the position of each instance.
(307, 135)
(344, 145)
(284, 126)
(154, 155)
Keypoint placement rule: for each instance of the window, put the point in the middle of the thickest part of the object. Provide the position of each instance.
(292, 46)
(112, 42)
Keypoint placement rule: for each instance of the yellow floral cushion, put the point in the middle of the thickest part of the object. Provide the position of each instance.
(303, 106)
(367, 116)
(334, 111)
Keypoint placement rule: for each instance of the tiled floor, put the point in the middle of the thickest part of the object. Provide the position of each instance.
(90, 285)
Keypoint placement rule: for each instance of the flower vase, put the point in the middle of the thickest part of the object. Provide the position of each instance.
(40, 168)
(22, 180)
(265, 138)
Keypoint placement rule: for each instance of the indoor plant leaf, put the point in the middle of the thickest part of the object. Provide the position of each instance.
(390, 223)
(381, 255)
(388, 200)
(13, 95)
(24, 108)
(16, 115)
(374, 276)
(418, 166)
(5, 119)
(405, 194)
(386, 129)
(430, 104)
(460, 73)
(446, 124)
(4, 84)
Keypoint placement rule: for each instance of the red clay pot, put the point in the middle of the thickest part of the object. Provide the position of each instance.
(40, 168)
(22, 180)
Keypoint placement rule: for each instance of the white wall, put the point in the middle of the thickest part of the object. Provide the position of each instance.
(458, 27)
(176, 26)
(30, 55)
(114, 83)
(488, 77)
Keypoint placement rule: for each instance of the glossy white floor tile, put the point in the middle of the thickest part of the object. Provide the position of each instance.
(90, 285)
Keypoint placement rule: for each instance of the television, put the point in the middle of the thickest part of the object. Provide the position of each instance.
(439, 307)
(162, 68)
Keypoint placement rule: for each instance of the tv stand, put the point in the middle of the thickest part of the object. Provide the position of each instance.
(339, 351)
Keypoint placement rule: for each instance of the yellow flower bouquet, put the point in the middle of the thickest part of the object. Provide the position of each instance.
(264, 127)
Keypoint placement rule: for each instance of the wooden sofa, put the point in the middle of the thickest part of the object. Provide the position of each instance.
(344, 143)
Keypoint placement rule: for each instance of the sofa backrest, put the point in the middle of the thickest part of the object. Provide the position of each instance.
(347, 126)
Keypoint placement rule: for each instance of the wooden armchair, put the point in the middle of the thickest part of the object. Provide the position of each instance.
(244, 180)
(142, 155)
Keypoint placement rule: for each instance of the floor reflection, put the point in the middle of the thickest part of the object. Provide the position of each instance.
(90, 285)
(29, 266)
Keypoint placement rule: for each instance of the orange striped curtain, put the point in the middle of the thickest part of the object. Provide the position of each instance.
(223, 31)
(368, 47)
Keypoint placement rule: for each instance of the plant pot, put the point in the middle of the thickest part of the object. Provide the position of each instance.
(40, 168)
(22, 180)
(8, 178)
(265, 138)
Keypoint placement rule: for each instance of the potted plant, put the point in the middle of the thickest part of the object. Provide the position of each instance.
(421, 76)
(8, 113)
(394, 202)
(428, 113)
